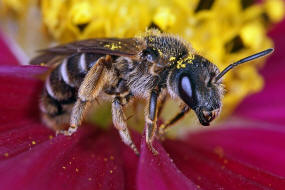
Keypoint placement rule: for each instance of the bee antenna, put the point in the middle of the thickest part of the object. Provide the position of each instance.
(249, 58)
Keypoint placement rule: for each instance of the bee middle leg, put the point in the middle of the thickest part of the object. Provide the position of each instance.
(87, 93)
(151, 118)
(161, 105)
(119, 120)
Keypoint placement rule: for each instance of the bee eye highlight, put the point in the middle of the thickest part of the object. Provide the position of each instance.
(185, 90)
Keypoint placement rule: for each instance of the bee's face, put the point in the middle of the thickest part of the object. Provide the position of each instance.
(196, 86)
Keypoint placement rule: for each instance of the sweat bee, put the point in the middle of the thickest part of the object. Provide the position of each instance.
(151, 67)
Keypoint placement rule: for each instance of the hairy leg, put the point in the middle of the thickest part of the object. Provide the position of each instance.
(151, 118)
(161, 105)
(119, 120)
(88, 91)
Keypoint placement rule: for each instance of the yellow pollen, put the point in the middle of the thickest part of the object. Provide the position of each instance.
(160, 52)
(6, 154)
(181, 63)
(219, 151)
(33, 142)
(112, 46)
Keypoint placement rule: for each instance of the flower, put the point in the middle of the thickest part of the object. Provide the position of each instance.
(247, 152)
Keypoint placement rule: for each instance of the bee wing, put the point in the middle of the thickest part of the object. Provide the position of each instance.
(128, 47)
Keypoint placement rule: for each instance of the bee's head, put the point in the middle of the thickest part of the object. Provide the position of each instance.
(198, 84)
(195, 85)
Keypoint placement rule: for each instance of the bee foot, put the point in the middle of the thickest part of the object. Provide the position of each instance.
(134, 148)
(62, 132)
(72, 129)
(152, 149)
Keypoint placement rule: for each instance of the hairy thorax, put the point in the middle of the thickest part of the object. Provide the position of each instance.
(134, 76)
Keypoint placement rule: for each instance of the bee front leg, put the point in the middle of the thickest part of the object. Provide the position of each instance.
(151, 118)
(163, 128)
(87, 93)
(119, 120)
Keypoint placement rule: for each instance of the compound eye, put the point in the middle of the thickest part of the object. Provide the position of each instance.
(185, 91)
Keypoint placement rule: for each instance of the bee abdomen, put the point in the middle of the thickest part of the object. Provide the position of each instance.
(62, 84)
(50, 105)
(65, 79)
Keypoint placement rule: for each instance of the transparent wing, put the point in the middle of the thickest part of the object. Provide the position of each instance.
(128, 47)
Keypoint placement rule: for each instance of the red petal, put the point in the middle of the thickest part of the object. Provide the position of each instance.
(6, 55)
(269, 105)
(233, 158)
(19, 94)
(86, 160)
(130, 163)
(159, 172)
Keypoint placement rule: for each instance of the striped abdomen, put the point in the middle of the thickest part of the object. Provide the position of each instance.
(61, 86)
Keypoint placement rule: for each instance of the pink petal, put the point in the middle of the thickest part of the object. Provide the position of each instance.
(159, 172)
(269, 105)
(237, 158)
(6, 55)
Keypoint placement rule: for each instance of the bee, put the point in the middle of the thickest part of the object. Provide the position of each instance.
(152, 66)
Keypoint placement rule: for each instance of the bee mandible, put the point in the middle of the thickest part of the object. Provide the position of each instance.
(151, 66)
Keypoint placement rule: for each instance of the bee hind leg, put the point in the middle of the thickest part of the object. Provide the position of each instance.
(77, 115)
(151, 118)
(119, 120)
(87, 93)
